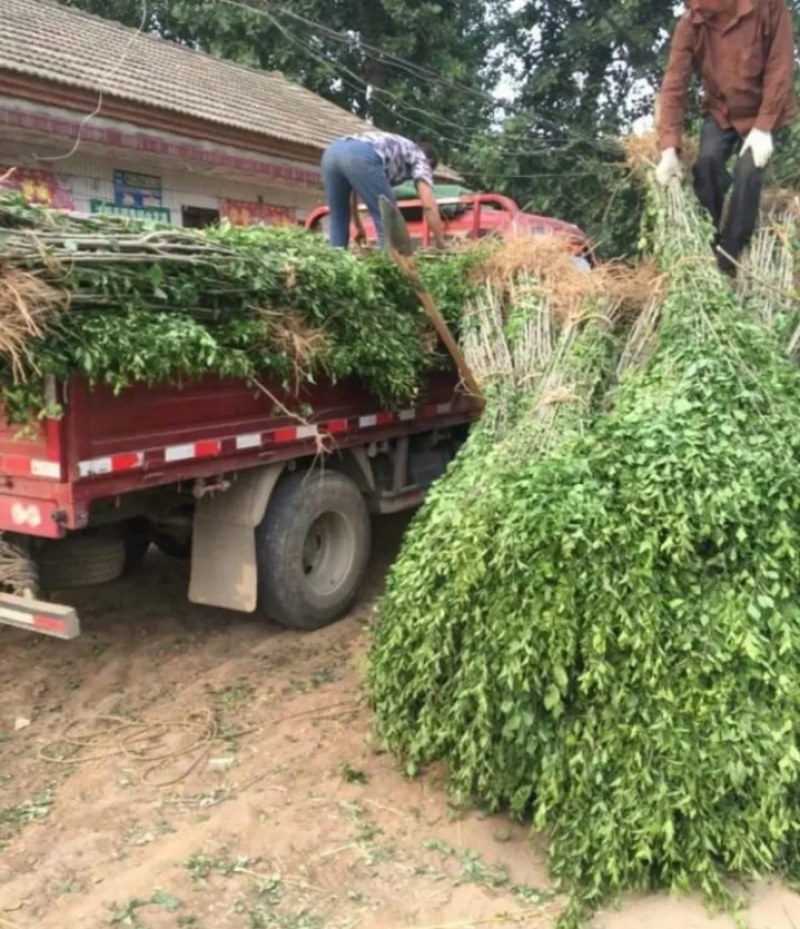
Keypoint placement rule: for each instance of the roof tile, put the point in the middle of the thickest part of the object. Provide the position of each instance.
(43, 39)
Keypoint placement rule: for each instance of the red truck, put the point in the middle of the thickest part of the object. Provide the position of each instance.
(467, 215)
(217, 472)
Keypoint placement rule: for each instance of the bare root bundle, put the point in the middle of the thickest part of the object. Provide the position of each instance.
(18, 572)
(535, 339)
(574, 373)
(290, 335)
(643, 152)
(512, 350)
(545, 265)
(28, 307)
(540, 256)
(485, 343)
(766, 282)
(632, 288)
(641, 338)
(781, 202)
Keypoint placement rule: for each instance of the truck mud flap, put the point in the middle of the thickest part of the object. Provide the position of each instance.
(39, 616)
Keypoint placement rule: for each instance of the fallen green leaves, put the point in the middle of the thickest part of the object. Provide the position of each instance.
(15, 818)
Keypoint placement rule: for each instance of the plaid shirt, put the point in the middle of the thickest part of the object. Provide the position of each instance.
(402, 159)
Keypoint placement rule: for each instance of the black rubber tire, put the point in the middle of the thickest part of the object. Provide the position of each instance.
(81, 561)
(313, 547)
(137, 544)
(171, 547)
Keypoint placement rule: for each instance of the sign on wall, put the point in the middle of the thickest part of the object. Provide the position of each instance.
(40, 187)
(156, 213)
(142, 191)
(246, 213)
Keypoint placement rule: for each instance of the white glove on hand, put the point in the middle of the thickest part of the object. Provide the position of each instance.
(760, 145)
(668, 167)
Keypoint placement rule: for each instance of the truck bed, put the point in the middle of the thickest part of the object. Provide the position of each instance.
(107, 445)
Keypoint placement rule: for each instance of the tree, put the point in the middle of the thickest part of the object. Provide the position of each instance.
(588, 69)
(589, 64)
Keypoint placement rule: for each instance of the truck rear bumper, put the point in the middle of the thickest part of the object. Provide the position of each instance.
(52, 619)
(31, 516)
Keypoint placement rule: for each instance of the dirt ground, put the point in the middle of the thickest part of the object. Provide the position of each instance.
(183, 767)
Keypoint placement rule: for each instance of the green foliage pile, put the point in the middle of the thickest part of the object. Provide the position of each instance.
(598, 626)
(156, 304)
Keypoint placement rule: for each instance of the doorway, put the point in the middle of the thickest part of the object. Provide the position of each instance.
(197, 217)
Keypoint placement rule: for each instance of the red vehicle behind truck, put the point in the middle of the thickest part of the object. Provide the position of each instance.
(224, 473)
(466, 216)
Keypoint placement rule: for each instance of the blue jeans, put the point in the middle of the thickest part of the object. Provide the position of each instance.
(353, 165)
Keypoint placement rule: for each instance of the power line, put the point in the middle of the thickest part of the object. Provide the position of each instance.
(431, 78)
(408, 66)
(107, 77)
(570, 136)
(357, 83)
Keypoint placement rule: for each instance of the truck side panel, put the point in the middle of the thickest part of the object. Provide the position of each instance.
(108, 445)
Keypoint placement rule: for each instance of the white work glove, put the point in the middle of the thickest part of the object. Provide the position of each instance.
(760, 144)
(668, 167)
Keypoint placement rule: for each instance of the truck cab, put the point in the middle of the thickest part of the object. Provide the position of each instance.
(466, 216)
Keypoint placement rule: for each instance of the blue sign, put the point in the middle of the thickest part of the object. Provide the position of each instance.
(142, 191)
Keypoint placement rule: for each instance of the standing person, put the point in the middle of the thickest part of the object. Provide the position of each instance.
(368, 166)
(743, 53)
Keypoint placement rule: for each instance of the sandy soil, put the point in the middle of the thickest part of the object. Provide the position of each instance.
(228, 779)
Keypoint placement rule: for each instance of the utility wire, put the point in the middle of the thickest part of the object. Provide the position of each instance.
(105, 80)
(568, 135)
(412, 68)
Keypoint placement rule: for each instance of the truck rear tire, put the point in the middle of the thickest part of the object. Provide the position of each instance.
(312, 547)
(81, 561)
(136, 537)
(172, 546)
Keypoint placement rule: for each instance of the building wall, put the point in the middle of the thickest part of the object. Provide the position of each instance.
(85, 180)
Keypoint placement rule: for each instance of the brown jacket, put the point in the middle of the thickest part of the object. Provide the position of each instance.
(746, 68)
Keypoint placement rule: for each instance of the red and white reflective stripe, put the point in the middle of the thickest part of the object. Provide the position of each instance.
(39, 616)
(437, 409)
(48, 469)
(251, 440)
(211, 448)
(377, 419)
(48, 624)
(111, 464)
(22, 466)
(208, 448)
(336, 426)
(293, 434)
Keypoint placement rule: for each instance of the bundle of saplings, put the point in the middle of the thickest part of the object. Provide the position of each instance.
(120, 301)
(594, 621)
